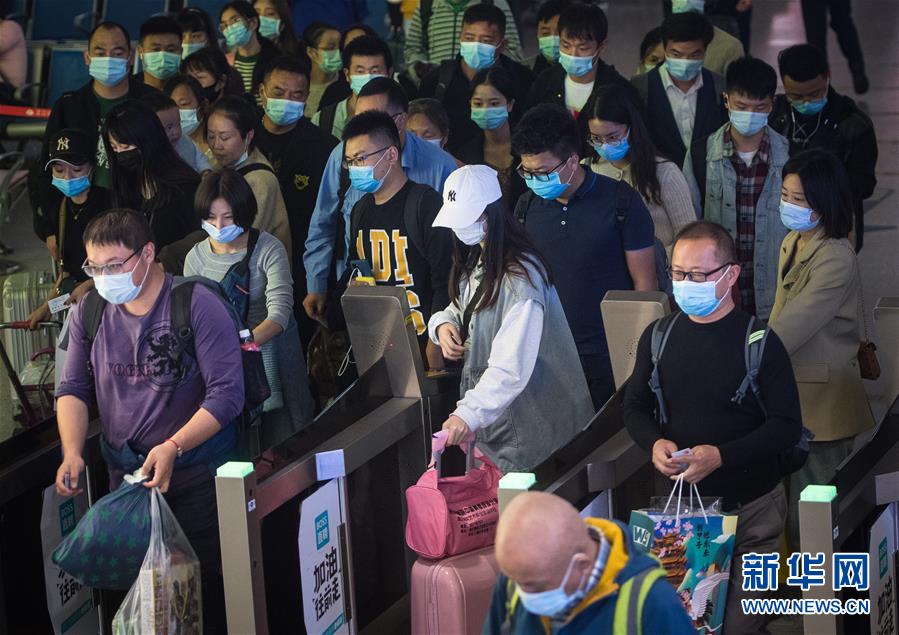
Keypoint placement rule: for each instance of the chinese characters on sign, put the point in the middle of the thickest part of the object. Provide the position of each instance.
(806, 570)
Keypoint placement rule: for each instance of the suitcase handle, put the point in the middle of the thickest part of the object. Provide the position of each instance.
(22, 325)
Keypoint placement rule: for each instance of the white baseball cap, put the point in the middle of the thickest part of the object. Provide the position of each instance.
(466, 192)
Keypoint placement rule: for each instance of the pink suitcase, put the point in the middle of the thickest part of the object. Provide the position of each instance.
(452, 596)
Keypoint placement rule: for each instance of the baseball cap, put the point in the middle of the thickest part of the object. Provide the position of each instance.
(466, 192)
(71, 146)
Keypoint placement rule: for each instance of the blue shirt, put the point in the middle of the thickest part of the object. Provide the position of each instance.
(585, 246)
(423, 163)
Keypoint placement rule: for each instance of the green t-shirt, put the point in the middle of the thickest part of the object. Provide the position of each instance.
(101, 174)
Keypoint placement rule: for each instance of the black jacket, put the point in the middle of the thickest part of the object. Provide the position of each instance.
(455, 94)
(549, 87)
(77, 109)
(710, 112)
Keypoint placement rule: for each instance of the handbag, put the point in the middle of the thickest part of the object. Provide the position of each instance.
(868, 364)
(453, 515)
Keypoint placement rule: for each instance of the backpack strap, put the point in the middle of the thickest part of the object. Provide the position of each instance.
(412, 217)
(182, 326)
(92, 315)
(698, 154)
(661, 330)
(444, 78)
(326, 118)
(521, 213)
(343, 186)
(628, 619)
(753, 349)
(253, 167)
(425, 9)
(622, 205)
(242, 268)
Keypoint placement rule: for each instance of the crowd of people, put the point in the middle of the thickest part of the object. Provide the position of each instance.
(506, 196)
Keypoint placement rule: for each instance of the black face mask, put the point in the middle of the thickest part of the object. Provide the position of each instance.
(211, 94)
(129, 159)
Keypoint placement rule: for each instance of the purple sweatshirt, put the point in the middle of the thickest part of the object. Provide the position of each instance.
(135, 386)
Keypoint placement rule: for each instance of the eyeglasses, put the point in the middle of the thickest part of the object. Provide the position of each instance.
(234, 20)
(610, 138)
(361, 159)
(109, 269)
(540, 176)
(695, 276)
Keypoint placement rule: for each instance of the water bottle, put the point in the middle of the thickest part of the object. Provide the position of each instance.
(247, 343)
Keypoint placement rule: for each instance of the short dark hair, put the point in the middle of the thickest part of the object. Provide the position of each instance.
(158, 101)
(160, 24)
(489, 13)
(725, 248)
(109, 25)
(652, 37)
(180, 79)
(238, 110)
(550, 9)
(207, 60)
(358, 26)
(433, 109)
(687, 27)
(373, 123)
(231, 186)
(119, 226)
(243, 7)
(365, 46)
(499, 78)
(585, 22)
(802, 62)
(396, 96)
(192, 19)
(825, 184)
(752, 77)
(313, 33)
(288, 64)
(546, 127)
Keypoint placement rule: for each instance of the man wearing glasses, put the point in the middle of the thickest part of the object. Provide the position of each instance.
(731, 446)
(572, 215)
(421, 161)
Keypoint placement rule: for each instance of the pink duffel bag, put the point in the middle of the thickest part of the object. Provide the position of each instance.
(453, 515)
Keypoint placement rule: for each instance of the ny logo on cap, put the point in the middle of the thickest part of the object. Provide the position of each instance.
(451, 197)
(62, 144)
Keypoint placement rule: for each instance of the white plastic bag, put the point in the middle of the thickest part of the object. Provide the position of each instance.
(165, 599)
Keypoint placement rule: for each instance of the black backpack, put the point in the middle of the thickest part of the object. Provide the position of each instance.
(789, 460)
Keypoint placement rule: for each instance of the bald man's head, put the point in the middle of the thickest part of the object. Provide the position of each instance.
(538, 537)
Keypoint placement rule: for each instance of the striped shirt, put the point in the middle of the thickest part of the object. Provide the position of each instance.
(444, 30)
(245, 67)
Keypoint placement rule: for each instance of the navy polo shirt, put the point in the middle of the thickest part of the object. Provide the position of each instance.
(585, 246)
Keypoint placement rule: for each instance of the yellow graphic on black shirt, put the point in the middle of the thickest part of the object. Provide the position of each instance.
(382, 264)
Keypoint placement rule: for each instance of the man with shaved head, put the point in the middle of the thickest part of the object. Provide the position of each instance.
(564, 574)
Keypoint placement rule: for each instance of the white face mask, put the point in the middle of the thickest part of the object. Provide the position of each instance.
(473, 234)
(119, 288)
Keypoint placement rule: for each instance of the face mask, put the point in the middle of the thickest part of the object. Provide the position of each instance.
(490, 118)
(358, 82)
(550, 189)
(809, 107)
(331, 62)
(684, 70)
(188, 48)
(211, 94)
(554, 601)
(237, 35)
(437, 142)
(189, 121)
(161, 64)
(284, 112)
(72, 187)
(225, 234)
(109, 71)
(683, 6)
(698, 298)
(797, 217)
(241, 159)
(129, 159)
(549, 47)
(473, 234)
(748, 123)
(269, 27)
(119, 288)
(613, 151)
(478, 55)
(362, 177)
(576, 66)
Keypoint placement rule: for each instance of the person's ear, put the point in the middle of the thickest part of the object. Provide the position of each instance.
(500, 48)
(346, 74)
(602, 48)
(250, 136)
(261, 90)
(510, 105)
(253, 24)
(310, 51)
(87, 58)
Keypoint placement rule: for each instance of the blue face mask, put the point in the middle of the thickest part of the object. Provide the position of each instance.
(331, 61)
(478, 55)
(550, 189)
(613, 151)
(698, 298)
(269, 27)
(683, 70)
(188, 48)
(362, 177)
(576, 66)
(797, 217)
(72, 187)
(284, 112)
(809, 107)
(554, 601)
(237, 35)
(189, 121)
(549, 47)
(161, 64)
(748, 123)
(109, 71)
(683, 6)
(358, 82)
(119, 288)
(224, 235)
(490, 118)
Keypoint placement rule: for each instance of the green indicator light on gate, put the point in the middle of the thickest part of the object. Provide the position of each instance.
(818, 494)
(234, 469)
(517, 480)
